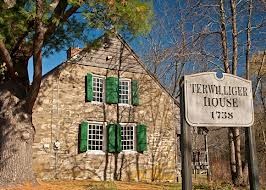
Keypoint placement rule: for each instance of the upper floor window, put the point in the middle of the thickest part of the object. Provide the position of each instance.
(124, 91)
(111, 90)
(98, 88)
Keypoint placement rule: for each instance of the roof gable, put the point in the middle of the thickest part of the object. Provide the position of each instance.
(113, 56)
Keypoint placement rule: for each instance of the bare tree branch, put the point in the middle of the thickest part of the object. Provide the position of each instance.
(224, 37)
(248, 40)
(259, 71)
(234, 37)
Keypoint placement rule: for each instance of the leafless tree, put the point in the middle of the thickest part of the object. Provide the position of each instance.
(196, 36)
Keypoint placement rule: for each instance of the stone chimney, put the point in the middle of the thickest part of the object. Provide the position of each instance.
(72, 52)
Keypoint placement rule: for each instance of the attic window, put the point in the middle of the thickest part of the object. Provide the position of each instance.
(107, 42)
(106, 45)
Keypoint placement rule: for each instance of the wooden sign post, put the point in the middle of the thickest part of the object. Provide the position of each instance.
(186, 145)
(208, 101)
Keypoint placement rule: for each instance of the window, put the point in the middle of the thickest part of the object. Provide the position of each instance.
(98, 88)
(127, 134)
(124, 91)
(95, 136)
(111, 90)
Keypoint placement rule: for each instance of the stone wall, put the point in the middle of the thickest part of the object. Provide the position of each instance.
(61, 107)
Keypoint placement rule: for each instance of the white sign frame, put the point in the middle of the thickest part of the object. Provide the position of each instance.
(232, 95)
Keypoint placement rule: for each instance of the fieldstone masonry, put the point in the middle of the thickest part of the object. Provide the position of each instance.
(61, 107)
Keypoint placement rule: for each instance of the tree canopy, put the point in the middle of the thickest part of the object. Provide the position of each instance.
(32, 28)
(67, 20)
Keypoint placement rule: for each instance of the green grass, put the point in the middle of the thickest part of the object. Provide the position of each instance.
(121, 185)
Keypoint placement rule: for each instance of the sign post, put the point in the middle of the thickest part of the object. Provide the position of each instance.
(209, 101)
(186, 145)
(252, 160)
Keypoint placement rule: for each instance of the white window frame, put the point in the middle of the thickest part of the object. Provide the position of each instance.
(104, 90)
(134, 137)
(129, 92)
(104, 145)
(103, 140)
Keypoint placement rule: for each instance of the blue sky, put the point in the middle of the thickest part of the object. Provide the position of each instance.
(258, 41)
(57, 58)
(49, 62)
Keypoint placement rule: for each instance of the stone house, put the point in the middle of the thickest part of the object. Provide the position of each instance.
(101, 115)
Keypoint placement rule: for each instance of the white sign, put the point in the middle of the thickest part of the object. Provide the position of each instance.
(223, 102)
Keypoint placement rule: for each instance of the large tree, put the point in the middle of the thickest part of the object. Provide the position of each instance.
(31, 28)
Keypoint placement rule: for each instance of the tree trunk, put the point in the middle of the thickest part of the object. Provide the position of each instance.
(224, 37)
(234, 38)
(232, 154)
(233, 133)
(16, 136)
(248, 47)
(236, 134)
(239, 179)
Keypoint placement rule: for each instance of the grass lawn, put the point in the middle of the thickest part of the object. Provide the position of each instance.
(97, 185)
(119, 185)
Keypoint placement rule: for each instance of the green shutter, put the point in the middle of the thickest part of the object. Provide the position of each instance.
(141, 138)
(134, 92)
(111, 90)
(83, 137)
(111, 136)
(119, 138)
(89, 92)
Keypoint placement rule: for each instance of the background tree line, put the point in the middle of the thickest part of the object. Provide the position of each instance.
(223, 36)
